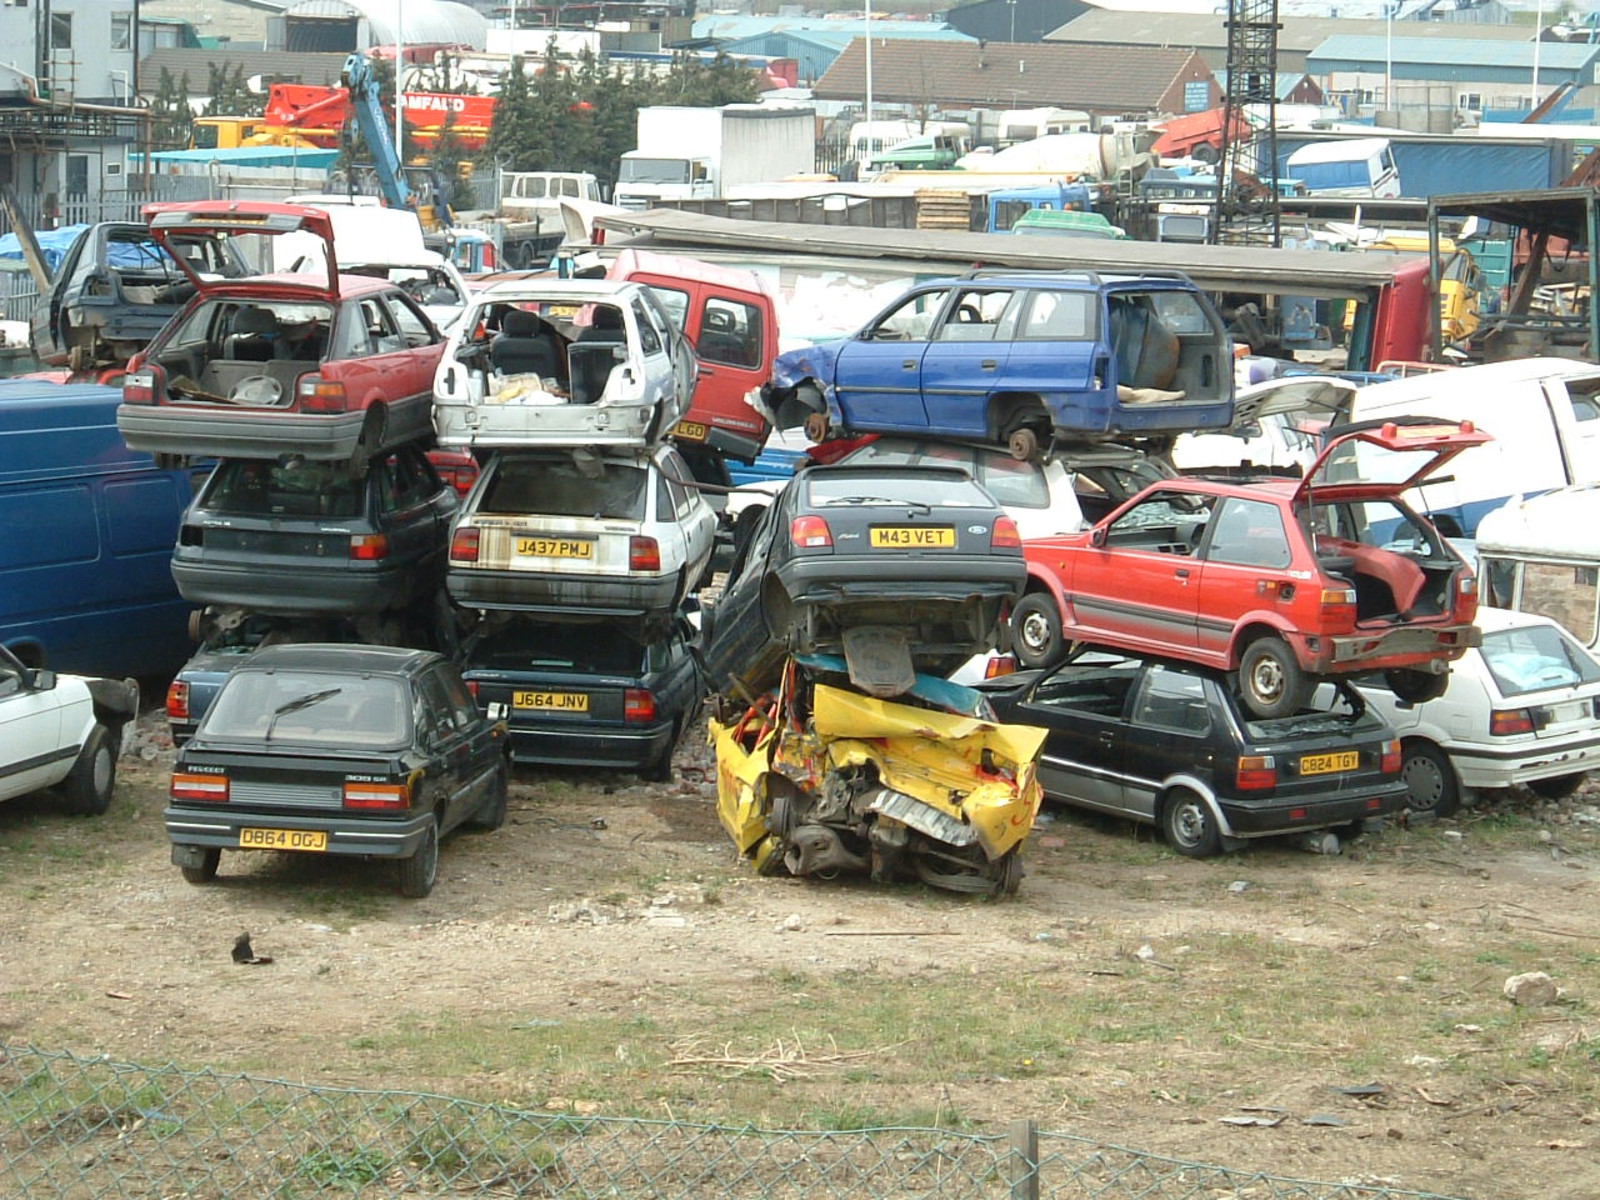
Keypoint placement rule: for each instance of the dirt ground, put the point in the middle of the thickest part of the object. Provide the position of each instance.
(621, 906)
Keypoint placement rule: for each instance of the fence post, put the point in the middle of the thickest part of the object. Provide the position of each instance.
(1022, 1164)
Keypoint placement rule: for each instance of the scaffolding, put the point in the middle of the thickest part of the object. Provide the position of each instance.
(1247, 211)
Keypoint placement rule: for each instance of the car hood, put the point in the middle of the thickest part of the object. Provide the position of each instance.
(816, 361)
(241, 217)
(1385, 459)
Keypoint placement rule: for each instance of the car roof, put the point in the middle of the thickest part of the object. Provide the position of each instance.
(550, 288)
(319, 656)
(1494, 620)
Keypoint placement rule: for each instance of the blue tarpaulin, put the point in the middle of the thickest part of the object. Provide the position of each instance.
(53, 242)
(304, 157)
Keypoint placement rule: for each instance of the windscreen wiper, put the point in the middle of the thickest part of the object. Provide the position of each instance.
(296, 705)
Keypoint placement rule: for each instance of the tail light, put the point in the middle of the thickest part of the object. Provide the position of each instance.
(464, 546)
(212, 788)
(644, 554)
(460, 478)
(1000, 664)
(178, 700)
(146, 386)
(318, 395)
(472, 688)
(1255, 772)
(1389, 761)
(1466, 605)
(1338, 606)
(638, 704)
(1511, 721)
(810, 533)
(377, 795)
(369, 547)
(1005, 533)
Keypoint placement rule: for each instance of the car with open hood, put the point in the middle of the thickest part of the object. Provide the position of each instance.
(1282, 580)
(325, 366)
(562, 362)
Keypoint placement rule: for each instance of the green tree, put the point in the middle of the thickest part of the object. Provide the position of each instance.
(171, 117)
(230, 94)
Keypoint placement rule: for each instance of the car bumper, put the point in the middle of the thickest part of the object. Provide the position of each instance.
(1486, 766)
(572, 745)
(1407, 646)
(1267, 817)
(541, 591)
(375, 839)
(845, 577)
(213, 432)
(295, 588)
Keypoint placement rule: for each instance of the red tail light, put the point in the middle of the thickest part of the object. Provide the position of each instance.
(178, 700)
(1005, 533)
(644, 554)
(638, 704)
(319, 395)
(1338, 606)
(1389, 762)
(1505, 723)
(1000, 664)
(377, 795)
(464, 545)
(472, 688)
(1466, 605)
(369, 547)
(145, 386)
(810, 533)
(213, 788)
(1255, 772)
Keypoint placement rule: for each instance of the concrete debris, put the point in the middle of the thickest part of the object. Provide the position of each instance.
(1533, 989)
(791, 924)
(1239, 885)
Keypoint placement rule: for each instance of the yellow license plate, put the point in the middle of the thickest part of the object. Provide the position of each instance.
(910, 537)
(564, 311)
(551, 701)
(1328, 764)
(549, 547)
(690, 431)
(283, 839)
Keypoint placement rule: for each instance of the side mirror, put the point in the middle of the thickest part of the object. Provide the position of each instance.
(40, 679)
(1097, 537)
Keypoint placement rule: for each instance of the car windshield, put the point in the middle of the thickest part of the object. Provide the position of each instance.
(358, 711)
(248, 487)
(1535, 658)
(561, 488)
(875, 488)
(527, 646)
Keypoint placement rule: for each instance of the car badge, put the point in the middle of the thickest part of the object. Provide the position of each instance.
(977, 529)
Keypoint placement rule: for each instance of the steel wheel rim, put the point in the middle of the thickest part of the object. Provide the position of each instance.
(1266, 679)
(1035, 632)
(102, 772)
(1189, 824)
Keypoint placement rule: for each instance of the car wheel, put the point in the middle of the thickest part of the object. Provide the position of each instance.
(1557, 787)
(1416, 687)
(87, 787)
(207, 870)
(817, 427)
(1270, 679)
(418, 873)
(491, 813)
(1190, 827)
(1036, 631)
(1430, 778)
(1023, 444)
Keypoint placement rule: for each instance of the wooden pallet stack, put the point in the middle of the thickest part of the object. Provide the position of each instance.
(944, 208)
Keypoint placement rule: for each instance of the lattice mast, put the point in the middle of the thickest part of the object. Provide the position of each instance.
(1247, 195)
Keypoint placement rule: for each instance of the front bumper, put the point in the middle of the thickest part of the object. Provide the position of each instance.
(1271, 816)
(220, 826)
(543, 591)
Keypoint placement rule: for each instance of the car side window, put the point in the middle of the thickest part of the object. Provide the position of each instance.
(463, 708)
(649, 337)
(979, 315)
(1172, 700)
(908, 321)
(1248, 533)
(676, 471)
(730, 332)
(443, 715)
(10, 680)
(430, 712)
(381, 329)
(1059, 317)
(414, 329)
(403, 483)
(1165, 523)
(1102, 693)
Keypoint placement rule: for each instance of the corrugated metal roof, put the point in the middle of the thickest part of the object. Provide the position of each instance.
(321, 70)
(425, 21)
(725, 28)
(1302, 34)
(1450, 52)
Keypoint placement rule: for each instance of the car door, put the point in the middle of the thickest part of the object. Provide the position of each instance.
(690, 510)
(878, 373)
(1244, 566)
(965, 362)
(383, 364)
(405, 512)
(30, 734)
(1168, 733)
(449, 745)
(484, 747)
(45, 325)
(1055, 353)
(1084, 758)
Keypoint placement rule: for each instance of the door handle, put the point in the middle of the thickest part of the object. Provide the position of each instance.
(910, 364)
(1107, 737)
(1182, 573)
(989, 364)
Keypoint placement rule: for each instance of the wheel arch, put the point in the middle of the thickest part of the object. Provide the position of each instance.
(1256, 625)
(1175, 785)
(1004, 407)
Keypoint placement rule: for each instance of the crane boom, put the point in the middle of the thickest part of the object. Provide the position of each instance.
(367, 105)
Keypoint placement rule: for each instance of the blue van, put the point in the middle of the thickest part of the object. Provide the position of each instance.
(86, 534)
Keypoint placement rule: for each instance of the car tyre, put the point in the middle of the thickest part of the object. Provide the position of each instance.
(1189, 826)
(816, 427)
(660, 771)
(419, 872)
(1036, 635)
(1416, 687)
(1430, 778)
(1557, 787)
(491, 813)
(88, 786)
(1023, 444)
(207, 870)
(1270, 679)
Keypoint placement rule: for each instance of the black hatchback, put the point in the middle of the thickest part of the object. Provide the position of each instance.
(326, 749)
(921, 552)
(1168, 743)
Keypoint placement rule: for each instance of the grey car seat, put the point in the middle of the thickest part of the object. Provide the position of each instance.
(525, 345)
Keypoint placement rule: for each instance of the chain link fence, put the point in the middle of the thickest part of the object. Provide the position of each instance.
(88, 1128)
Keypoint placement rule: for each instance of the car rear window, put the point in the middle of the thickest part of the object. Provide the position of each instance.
(1334, 707)
(581, 649)
(248, 487)
(311, 708)
(561, 488)
(1535, 658)
(895, 488)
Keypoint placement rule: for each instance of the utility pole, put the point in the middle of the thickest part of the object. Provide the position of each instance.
(1248, 211)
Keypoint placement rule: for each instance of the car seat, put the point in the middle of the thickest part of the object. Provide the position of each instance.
(525, 345)
(591, 370)
(255, 331)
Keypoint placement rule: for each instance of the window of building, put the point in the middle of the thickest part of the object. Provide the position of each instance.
(61, 31)
(122, 31)
(1468, 100)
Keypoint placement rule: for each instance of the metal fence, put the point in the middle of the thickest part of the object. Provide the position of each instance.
(89, 1128)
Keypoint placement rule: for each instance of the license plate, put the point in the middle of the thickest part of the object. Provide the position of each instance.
(1328, 764)
(549, 547)
(283, 839)
(908, 537)
(690, 431)
(564, 311)
(551, 701)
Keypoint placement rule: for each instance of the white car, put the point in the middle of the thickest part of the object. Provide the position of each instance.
(1522, 708)
(562, 362)
(582, 533)
(63, 732)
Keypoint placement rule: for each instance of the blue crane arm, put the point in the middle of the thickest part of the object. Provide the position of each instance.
(367, 105)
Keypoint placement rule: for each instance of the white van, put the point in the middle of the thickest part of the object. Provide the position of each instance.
(1542, 555)
(1360, 167)
(1544, 414)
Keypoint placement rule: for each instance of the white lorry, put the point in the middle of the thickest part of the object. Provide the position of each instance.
(701, 153)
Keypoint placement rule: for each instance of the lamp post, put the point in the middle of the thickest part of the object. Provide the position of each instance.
(1388, 55)
(1538, 38)
(866, 24)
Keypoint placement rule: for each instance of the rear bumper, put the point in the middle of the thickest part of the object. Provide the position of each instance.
(1486, 766)
(376, 839)
(213, 431)
(1267, 817)
(289, 588)
(1406, 646)
(548, 591)
(857, 577)
(574, 745)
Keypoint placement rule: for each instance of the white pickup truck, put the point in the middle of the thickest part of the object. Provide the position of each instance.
(63, 732)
